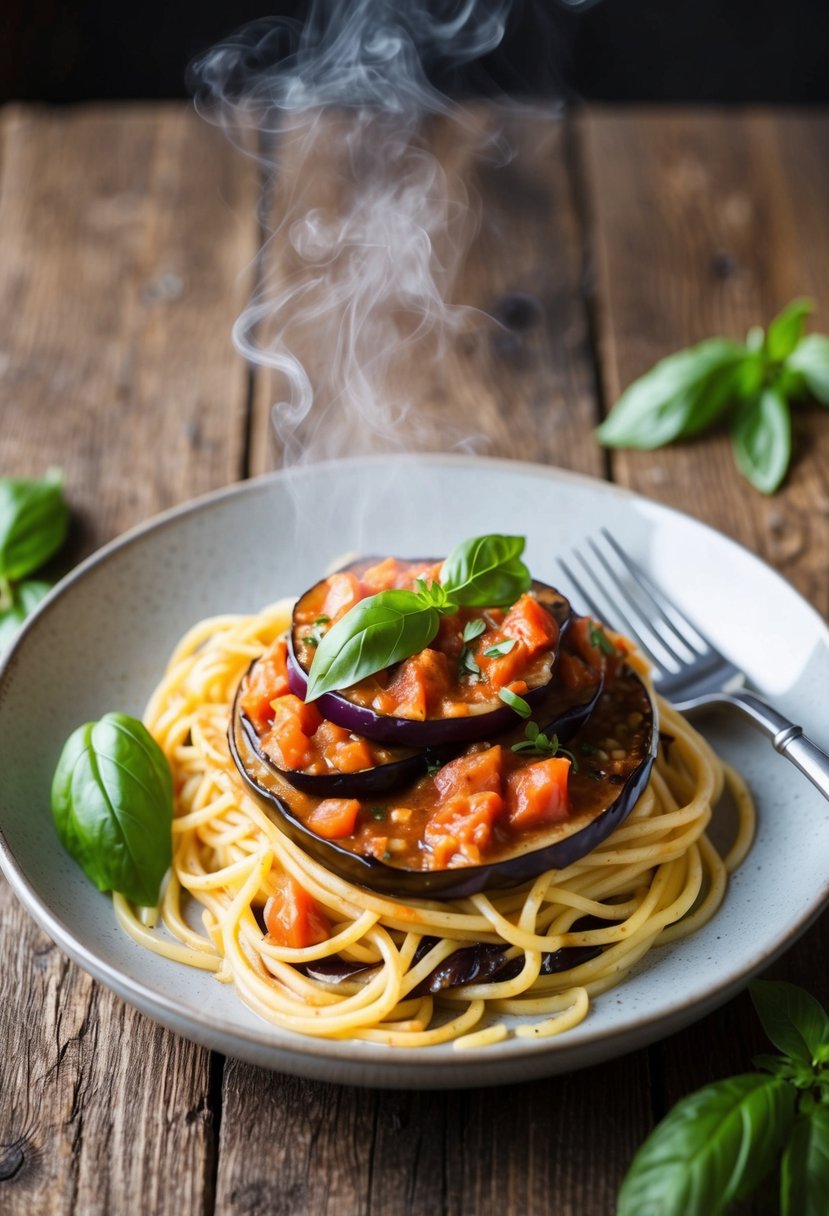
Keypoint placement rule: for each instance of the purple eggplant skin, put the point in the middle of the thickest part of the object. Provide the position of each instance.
(367, 783)
(463, 881)
(438, 732)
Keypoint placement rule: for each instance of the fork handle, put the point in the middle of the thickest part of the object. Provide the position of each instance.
(786, 737)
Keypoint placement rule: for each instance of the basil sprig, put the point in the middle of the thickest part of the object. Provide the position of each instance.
(34, 520)
(717, 1144)
(752, 384)
(386, 628)
(112, 802)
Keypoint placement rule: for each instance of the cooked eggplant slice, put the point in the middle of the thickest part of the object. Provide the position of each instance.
(399, 766)
(354, 708)
(614, 752)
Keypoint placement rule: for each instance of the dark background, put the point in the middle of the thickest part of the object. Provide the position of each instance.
(634, 50)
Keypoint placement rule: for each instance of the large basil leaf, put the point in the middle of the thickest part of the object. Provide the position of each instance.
(24, 599)
(112, 802)
(811, 361)
(804, 1175)
(679, 396)
(34, 520)
(486, 572)
(713, 1148)
(761, 436)
(375, 633)
(794, 1021)
(786, 330)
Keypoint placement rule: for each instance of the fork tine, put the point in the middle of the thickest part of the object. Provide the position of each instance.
(661, 603)
(590, 603)
(669, 644)
(630, 619)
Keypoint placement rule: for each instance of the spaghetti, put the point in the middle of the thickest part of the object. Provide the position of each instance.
(656, 879)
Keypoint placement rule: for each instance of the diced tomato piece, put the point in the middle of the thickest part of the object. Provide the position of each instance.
(334, 818)
(582, 635)
(343, 593)
(463, 826)
(381, 577)
(350, 757)
(419, 685)
(531, 624)
(328, 734)
(293, 917)
(574, 673)
(475, 773)
(288, 740)
(268, 680)
(504, 669)
(538, 793)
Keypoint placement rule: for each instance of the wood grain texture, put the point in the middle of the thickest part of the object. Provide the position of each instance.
(119, 251)
(705, 225)
(516, 379)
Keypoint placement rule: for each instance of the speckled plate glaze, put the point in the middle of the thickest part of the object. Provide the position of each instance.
(101, 639)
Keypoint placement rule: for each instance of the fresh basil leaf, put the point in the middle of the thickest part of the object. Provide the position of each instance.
(375, 633)
(500, 649)
(800, 1074)
(811, 360)
(473, 629)
(678, 397)
(804, 1173)
(24, 599)
(714, 1147)
(755, 338)
(786, 330)
(34, 520)
(486, 571)
(112, 802)
(794, 1021)
(761, 437)
(516, 703)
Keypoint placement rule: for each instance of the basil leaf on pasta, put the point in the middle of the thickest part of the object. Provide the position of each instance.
(486, 571)
(376, 632)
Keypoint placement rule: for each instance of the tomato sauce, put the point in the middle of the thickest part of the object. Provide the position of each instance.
(453, 677)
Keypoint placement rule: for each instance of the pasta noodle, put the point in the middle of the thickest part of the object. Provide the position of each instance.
(656, 879)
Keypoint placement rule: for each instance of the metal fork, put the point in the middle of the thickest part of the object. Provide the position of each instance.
(687, 667)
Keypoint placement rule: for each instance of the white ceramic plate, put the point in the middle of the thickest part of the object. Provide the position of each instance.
(101, 640)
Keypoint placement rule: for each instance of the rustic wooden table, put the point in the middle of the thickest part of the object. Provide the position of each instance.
(125, 234)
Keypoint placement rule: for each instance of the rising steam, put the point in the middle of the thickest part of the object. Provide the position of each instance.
(365, 229)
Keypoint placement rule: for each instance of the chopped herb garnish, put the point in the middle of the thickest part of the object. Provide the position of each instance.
(473, 629)
(600, 640)
(387, 856)
(434, 767)
(316, 633)
(536, 743)
(515, 702)
(588, 749)
(378, 812)
(499, 649)
(467, 665)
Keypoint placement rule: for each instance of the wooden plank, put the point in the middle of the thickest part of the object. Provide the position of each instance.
(707, 224)
(517, 380)
(120, 233)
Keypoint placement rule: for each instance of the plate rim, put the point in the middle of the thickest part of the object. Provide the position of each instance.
(253, 1043)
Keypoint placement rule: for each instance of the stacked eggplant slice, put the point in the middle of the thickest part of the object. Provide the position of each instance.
(607, 722)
